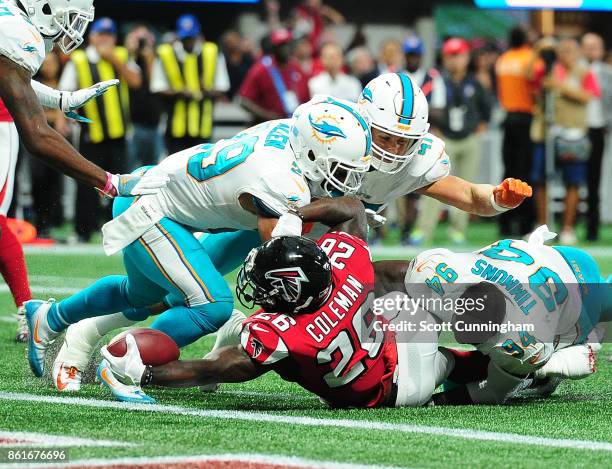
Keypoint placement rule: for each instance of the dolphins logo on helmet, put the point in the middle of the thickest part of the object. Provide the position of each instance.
(325, 131)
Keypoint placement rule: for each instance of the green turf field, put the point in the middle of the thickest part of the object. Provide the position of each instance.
(271, 417)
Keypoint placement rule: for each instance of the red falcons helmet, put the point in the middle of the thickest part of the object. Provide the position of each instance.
(288, 274)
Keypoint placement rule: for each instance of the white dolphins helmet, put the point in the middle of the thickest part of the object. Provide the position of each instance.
(332, 144)
(396, 105)
(61, 21)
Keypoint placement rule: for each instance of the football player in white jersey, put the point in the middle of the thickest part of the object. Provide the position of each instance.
(406, 158)
(528, 307)
(255, 181)
(28, 29)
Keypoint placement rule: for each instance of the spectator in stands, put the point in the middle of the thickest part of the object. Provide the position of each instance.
(275, 85)
(189, 74)
(484, 59)
(47, 184)
(309, 19)
(434, 89)
(466, 117)
(333, 80)
(515, 94)
(238, 60)
(145, 107)
(599, 118)
(430, 80)
(391, 59)
(362, 65)
(573, 85)
(104, 140)
(303, 53)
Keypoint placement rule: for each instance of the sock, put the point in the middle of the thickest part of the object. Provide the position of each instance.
(12, 264)
(106, 296)
(186, 325)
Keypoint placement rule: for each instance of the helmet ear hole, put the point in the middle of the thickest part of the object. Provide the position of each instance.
(311, 155)
(46, 9)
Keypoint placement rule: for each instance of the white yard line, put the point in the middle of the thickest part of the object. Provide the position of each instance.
(46, 440)
(259, 417)
(267, 459)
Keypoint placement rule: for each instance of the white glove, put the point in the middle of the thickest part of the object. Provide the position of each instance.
(374, 219)
(574, 362)
(289, 224)
(127, 185)
(70, 101)
(129, 368)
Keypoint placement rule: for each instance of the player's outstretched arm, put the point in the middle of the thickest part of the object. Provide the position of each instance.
(225, 365)
(480, 199)
(46, 144)
(38, 137)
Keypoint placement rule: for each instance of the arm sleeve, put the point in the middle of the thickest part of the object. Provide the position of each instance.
(261, 343)
(47, 96)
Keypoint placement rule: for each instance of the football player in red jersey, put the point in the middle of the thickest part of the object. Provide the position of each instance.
(315, 328)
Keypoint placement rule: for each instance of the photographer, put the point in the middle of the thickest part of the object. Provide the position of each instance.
(145, 148)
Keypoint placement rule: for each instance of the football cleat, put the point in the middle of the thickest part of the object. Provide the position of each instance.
(40, 334)
(121, 392)
(66, 378)
(79, 345)
(22, 325)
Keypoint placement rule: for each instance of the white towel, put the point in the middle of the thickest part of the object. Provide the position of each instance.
(130, 225)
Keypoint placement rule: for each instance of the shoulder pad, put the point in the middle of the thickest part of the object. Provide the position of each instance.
(431, 156)
(21, 43)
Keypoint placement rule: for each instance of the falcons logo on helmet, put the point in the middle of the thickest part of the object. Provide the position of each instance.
(288, 282)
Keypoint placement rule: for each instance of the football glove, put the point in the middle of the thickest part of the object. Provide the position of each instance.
(129, 368)
(510, 194)
(73, 100)
(127, 185)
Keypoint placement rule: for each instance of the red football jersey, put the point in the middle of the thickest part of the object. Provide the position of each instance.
(335, 352)
(4, 114)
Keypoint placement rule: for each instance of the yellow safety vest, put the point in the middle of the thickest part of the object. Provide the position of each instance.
(187, 119)
(114, 104)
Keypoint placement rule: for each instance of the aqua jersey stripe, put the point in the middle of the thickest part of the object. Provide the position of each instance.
(408, 103)
(361, 120)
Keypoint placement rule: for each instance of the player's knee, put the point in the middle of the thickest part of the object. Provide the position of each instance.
(213, 315)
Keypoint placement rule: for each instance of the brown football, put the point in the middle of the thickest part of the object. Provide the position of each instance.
(155, 347)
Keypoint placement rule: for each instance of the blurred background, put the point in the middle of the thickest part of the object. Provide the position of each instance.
(200, 71)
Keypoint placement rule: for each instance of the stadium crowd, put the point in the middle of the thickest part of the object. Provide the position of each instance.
(171, 81)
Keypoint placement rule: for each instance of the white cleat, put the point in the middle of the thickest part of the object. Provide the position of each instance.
(22, 325)
(79, 345)
(66, 378)
(121, 392)
(40, 336)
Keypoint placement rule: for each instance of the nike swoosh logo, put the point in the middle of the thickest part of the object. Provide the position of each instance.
(36, 338)
(60, 385)
(106, 378)
(257, 327)
(420, 267)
